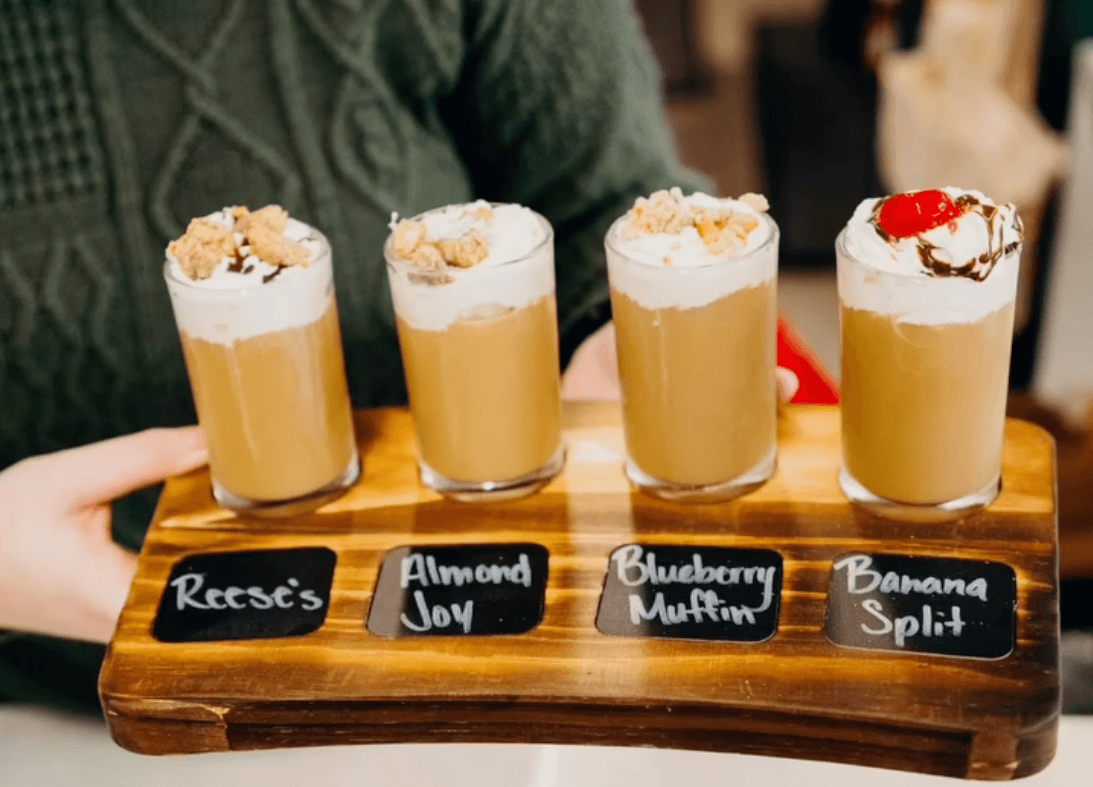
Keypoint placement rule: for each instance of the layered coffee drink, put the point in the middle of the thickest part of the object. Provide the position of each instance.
(693, 298)
(927, 283)
(473, 290)
(253, 296)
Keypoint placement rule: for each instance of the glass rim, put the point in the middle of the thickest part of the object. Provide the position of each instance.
(772, 239)
(324, 257)
(409, 267)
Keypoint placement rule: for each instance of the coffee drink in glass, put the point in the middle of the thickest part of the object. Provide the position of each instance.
(927, 283)
(693, 295)
(253, 297)
(473, 291)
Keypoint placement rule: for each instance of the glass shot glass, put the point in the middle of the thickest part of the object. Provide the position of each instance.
(924, 381)
(268, 378)
(480, 352)
(697, 355)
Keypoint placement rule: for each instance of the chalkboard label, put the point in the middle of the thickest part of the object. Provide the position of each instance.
(691, 592)
(476, 589)
(245, 595)
(922, 604)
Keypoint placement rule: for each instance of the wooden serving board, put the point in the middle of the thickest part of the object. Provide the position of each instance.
(796, 693)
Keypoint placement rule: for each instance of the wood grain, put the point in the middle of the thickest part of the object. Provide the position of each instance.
(794, 695)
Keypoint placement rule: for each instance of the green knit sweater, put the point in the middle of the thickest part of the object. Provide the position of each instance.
(122, 119)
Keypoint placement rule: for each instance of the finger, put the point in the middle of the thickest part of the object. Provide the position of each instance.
(110, 469)
(101, 588)
(108, 596)
(589, 382)
(788, 384)
(77, 577)
(593, 369)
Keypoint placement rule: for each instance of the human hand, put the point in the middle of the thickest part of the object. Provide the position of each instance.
(593, 371)
(61, 573)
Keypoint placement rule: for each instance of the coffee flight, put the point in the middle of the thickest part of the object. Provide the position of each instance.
(927, 283)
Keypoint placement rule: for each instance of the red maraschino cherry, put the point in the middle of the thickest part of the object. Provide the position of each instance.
(904, 215)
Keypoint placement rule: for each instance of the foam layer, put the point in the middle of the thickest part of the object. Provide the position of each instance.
(229, 306)
(889, 277)
(692, 276)
(518, 270)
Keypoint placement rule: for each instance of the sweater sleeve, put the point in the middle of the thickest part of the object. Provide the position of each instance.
(559, 108)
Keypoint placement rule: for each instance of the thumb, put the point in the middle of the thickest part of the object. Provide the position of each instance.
(106, 574)
(788, 384)
(104, 471)
(76, 577)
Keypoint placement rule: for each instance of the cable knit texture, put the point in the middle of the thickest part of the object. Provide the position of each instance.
(122, 119)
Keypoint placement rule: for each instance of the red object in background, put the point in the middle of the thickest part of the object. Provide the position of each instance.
(817, 385)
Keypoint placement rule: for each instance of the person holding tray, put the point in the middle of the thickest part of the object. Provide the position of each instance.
(135, 121)
(132, 122)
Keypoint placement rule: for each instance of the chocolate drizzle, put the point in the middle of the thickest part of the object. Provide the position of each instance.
(969, 270)
(977, 268)
(236, 263)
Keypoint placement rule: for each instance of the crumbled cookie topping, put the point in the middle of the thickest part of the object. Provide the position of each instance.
(663, 212)
(273, 218)
(466, 251)
(723, 231)
(264, 230)
(755, 201)
(206, 243)
(410, 244)
(483, 214)
(409, 234)
(202, 247)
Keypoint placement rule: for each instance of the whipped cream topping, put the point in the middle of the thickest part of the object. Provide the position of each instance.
(960, 271)
(518, 268)
(969, 246)
(680, 268)
(248, 297)
(510, 231)
(682, 245)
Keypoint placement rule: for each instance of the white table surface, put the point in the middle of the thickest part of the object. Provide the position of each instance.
(41, 747)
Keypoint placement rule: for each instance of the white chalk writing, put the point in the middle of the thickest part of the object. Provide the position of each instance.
(189, 595)
(438, 615)
(425, 571)
(861, 578)
(633, 571)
